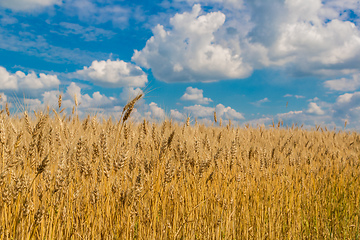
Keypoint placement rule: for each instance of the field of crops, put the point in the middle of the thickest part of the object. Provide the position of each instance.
(68, 178)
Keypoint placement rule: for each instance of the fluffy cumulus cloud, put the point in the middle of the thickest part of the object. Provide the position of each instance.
(195, 95)
(347, 107)
(27, 82)
(340, 8)
(113, 74)
(305, 36)
(156, 112)
(308, 37)
(27, 5)
(88, 103)
(129, 93)
(344, 84)
(175, 114)
(228, 113)
(208, 112)
(94, 102)
(33, 104)
(315, 109)
(189, 50)
(200, 111)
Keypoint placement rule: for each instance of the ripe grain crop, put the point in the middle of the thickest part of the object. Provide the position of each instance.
(66, 178)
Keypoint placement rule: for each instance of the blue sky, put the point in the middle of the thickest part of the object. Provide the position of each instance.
(251, 61)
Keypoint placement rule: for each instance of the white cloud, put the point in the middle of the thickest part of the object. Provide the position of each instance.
(86, 101)
(28, 5)
(298, 118)
(237, 4)
(99, 12)
(304, 118)
(195, 95)
(298, 35)
(7, 20)
(347, 107)
(200, 111)
(315, 109)
(289, 114)
(295, 96)
(113, 74)
(36, 45)
(33, 104)
(307, 37)
(87, 33)
(31, 81)
(313, 99)
(299, 96)
(228, 113)
(340, 8)
(258, 103)
(259, 121)
(189, 51)
(94, 103)
(208, 112)
(7, 80)
(156, 112)
(344, 84)
(129, 93)
(347, 97)
(175, 114)
(310, 37)
(3, 98)
(205, 121)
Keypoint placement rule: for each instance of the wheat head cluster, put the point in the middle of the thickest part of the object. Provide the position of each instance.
(63, 177)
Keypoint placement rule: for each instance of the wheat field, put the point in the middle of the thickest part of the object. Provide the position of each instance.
(68, 178)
